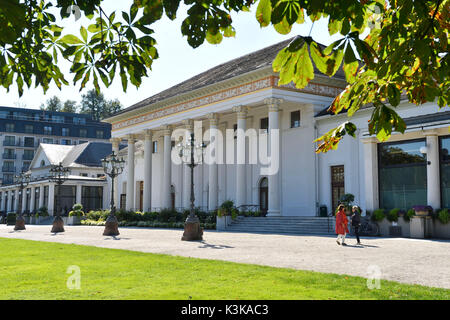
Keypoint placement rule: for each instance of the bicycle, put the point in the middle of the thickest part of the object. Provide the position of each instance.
(368, 228)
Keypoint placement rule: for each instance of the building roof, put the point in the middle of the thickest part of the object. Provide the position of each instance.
(87, 154)
(256, 60)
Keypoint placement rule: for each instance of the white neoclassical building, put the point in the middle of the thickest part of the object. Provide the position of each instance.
(242, 113)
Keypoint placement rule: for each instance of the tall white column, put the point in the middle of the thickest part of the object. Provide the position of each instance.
(433, 181)
(78, 194)
(130, 173)
(213, 192)
(41, 197)
(241, 176)
(371, 173)
(167, 180)
(32, 198)
(10, 202)
(274, 149)
(223, 167)
(3, 207)
(147, 201)
(16, 201)
(51, 199)
(24, 199)
(188, 125)
(115, 148)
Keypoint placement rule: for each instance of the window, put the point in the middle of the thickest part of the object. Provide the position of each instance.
(47, 140)
(4, 114)
(28, 142)
(77, 120)
(42, 163)
(9, 141)
(37, 192)
(9, 154)
(26, 166)
(445, 171)
(8, 166)
(45, 196)
(172, 144)
(402, 174)
(99, 134)
(83, 174)
(8, 178)
(264, 125)
(66, 142)
(155, 147)
(235, 131)
(65, 132)
(92, 198)
(58, 119)
(28, 154)
(28, 128)
(83, 133)
(82, 141)
(66, 198)
(48, 130)
(337, 185)
(10, 127)
(295, 119)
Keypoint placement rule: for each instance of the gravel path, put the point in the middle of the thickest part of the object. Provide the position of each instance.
(425, 262)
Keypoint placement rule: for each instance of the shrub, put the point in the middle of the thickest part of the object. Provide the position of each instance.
(42, 211)
(409, 214)
(443, 216)
(169, 215)
(392, 216)
(11, 218)
(97, 215)
(77, 210)
(234, 213)
(378, 215)
(150, 216)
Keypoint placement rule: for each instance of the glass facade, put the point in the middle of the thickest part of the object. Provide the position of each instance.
(92, 198)
(445, 171)
(65, 197)
(402, 174)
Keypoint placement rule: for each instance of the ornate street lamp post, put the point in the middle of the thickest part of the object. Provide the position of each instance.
(192, 155)
(58, 175)
(22, 180)
(113, 166)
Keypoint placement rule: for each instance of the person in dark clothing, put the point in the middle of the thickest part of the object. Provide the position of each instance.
(356, 221)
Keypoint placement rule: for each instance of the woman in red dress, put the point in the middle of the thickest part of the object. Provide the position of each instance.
(341, 225)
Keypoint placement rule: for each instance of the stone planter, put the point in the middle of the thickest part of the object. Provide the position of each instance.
(405, 227)
(384, 227)
(421, 227)
(73, 221)
(441, 230)
(422, 213)
(32, 220)
(223, 222)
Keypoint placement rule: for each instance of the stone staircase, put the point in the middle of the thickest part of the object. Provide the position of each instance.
(283, 225)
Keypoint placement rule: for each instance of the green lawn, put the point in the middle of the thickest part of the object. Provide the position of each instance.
(38, 270)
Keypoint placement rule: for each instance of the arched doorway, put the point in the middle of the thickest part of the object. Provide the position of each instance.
(264, 195)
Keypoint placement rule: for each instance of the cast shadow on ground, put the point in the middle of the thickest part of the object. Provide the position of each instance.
(115, 238)
(361, 246)
(213, 246)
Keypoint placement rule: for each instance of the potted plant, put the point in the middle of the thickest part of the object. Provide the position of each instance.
(422, 211)
(224, 213)
(76, 214)
(394, 229)
(347, 200)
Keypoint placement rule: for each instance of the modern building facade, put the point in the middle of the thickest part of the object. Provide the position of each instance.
(22, 130)
(86, 183)
(263, 134)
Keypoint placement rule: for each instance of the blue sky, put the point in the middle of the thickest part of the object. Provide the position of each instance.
(177, 60)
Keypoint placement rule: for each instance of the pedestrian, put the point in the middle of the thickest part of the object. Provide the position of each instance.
(341, 225)
(356, 221)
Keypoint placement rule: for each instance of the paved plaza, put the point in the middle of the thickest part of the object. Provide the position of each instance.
(425, 262)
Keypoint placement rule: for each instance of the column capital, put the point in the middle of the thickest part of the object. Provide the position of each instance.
(131, 138)
(115, 142)
(273, 103)
(241, 111)
(148, 134)
(188, 124)
(213, 119)
(166, 130)
(427, 133)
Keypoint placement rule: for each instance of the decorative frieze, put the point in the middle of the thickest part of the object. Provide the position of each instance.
(268, 82)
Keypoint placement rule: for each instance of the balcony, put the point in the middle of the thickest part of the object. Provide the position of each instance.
(9, 156)
(9, 169)
(8, 143)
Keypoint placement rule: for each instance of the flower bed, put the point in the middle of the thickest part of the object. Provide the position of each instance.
(147, 224)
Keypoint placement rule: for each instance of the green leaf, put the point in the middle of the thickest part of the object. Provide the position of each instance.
(83, 33)
(393, 95)
(71, 39)
(304, 68)
(283, 27)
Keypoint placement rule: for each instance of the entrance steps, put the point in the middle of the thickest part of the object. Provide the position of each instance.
(283, 225)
